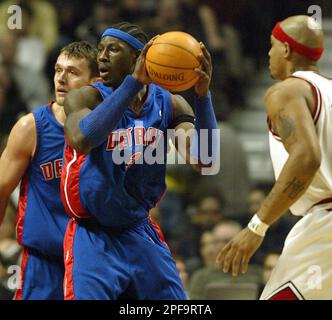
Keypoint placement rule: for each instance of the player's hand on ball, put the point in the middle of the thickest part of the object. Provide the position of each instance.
(204, 73)
(239, 251)
(140, 72)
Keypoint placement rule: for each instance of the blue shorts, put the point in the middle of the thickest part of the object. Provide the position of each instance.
(41, 277)
(132, 264)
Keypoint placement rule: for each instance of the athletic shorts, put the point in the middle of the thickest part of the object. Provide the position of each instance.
(41, 277)
(130, 264)
(304, 269)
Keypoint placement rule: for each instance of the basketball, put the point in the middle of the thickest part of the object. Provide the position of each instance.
(172, 59)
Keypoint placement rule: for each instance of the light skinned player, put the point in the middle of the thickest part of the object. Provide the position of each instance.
(33, 156)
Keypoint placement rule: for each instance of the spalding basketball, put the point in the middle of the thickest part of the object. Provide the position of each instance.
(172, 59)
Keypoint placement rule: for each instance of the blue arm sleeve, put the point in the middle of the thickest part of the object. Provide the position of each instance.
(101, 121)
(206, 142)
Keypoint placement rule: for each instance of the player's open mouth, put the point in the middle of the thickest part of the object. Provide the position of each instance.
(103, 71)
(61, 91)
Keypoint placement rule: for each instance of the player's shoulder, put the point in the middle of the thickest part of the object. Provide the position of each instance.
(287, 88)
(23, 135)
(26, 124)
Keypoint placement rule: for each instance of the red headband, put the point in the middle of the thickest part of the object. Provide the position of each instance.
(310, 53)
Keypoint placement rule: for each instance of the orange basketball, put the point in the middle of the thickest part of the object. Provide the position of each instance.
(172, 59)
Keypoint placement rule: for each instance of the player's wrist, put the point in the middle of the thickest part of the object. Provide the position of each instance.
(257, 226)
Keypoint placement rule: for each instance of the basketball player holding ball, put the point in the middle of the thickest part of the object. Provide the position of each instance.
(112, 251)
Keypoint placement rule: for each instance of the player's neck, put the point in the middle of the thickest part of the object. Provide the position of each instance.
(303, 67)
(59, 113)
(137, 104)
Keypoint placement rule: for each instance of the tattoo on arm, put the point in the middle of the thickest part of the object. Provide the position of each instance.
(286, 127)
(294, 187)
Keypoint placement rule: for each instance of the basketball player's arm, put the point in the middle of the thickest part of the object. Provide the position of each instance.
(289, 106)
(204, 160)
(16, 158)
(181, 109)
(79, 103)
(86, 128)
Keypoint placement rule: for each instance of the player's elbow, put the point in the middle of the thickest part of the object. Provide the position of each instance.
(71, 100)
(75, 137)
(310, 161)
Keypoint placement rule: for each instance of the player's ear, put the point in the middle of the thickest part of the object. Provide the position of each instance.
(287, 50)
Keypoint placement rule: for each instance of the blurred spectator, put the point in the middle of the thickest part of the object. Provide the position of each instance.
(232, 181)
(207, 250)
(278, 231)
(137, 11)
(209, 211)
(31, 85)
(11, 105)
(269, 262)
(44, 23)
(9, 251)
(183, 274)
(70, 15)
(104, 14)
(256, 196)
(219, 20)
(30, 50)
(168, 17)
(222, 233)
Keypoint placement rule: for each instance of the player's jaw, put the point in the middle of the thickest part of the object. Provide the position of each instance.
(104, 72)
(60, 93)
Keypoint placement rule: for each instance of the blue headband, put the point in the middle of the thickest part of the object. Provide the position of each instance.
(124, 36)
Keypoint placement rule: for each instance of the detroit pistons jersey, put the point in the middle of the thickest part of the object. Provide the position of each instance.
(319, 192)
(41, 220)
(119, 181)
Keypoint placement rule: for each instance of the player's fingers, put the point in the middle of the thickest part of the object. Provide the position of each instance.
(222, 254)
(228, 259)
(201, 73)
(147, 46)
(155, 37)
(206, 53)
(236, 263)
(245, 263)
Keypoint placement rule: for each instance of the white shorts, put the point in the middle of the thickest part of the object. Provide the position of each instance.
(305, 265)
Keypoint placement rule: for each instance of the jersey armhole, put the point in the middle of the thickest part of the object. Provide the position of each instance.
(38, 137)
(318, 98)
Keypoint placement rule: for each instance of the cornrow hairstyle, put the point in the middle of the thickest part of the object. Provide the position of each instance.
(132, 29)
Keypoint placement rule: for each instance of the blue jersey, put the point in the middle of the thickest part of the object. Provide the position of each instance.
(119, 193)
(42, 219)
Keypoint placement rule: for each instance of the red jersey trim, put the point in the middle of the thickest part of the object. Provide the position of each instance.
(318, 98)
(70, 187)
(68, 244)
(317, 108)
(19, 291)
(22, 205)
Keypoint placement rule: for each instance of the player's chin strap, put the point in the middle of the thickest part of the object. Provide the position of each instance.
(303, 50)
(124, 36)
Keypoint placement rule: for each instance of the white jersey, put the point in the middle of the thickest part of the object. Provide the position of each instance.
(319, 193)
